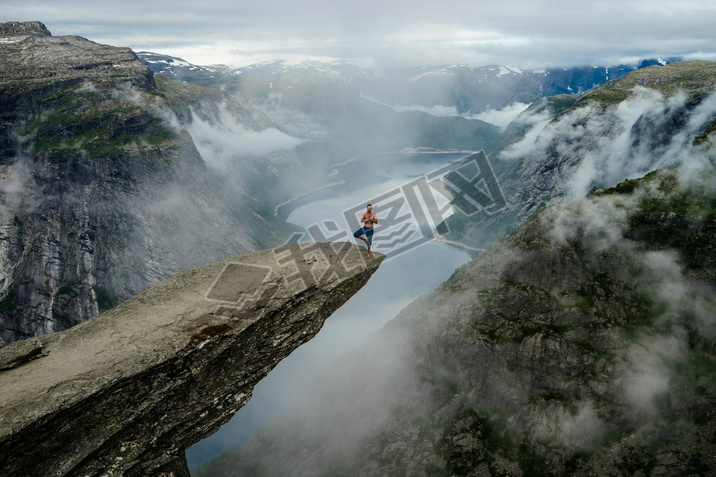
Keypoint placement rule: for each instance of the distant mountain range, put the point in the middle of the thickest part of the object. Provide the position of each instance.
(465, 89)
(333, 107)
(341, 109)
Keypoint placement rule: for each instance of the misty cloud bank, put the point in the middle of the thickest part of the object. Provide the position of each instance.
(626, 141)
(501, 117)
(436, 110)
(131, 95)
(226, 140)
(294, 122)
(498, 117)
(13, 182)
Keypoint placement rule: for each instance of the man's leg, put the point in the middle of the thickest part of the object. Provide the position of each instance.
(359, 235)
(369, 241)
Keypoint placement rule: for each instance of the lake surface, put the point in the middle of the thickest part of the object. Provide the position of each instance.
(396, 283)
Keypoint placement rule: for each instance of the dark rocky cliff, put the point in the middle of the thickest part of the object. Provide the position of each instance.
(124, 393)
(583, 344)
(102, 189)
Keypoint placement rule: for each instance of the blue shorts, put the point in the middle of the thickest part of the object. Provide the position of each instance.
(368, 231)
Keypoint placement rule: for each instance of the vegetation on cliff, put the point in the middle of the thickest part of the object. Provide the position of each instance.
(99, 173)
(569, 145)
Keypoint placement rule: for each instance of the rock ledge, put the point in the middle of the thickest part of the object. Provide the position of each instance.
(125, 392)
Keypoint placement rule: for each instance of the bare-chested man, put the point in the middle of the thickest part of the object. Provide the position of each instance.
(367, 219)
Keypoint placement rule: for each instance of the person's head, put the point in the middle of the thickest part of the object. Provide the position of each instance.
(369, 207)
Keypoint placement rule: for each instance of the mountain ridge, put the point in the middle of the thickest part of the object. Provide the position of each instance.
(400, 86)
(100, 173)
(644, 116)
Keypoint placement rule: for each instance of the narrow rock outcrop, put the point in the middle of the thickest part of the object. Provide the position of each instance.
(125, 392)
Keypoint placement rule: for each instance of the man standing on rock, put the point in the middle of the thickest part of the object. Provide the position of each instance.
(367, 219)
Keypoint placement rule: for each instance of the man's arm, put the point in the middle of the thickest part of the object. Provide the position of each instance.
(375, 219)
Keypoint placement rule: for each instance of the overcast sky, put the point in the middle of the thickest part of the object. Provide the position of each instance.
(528, 34)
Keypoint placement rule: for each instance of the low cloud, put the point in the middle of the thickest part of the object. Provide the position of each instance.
(682, 296)
(646, 372)
(526, 145)
(125, 93)
(294, 122)
(600, 223)
(582, 428)
(87, 87)
(14, 184)
(546, 135)
(498, 117)
(643, 133)
(130, 94)
(501, 117)
(436, 110)
(225, 140)
(16, 177)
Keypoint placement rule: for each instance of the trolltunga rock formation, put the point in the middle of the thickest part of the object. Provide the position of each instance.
(125, 392)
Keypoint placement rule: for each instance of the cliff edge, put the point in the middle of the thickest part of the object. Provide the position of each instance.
(125, 392)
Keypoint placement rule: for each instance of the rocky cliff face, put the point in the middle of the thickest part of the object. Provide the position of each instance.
(569, 145)
(583, 344)
(124, 393)
(103, 191)
(23, 28)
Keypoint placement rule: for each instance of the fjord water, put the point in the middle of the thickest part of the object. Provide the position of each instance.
(396, 283)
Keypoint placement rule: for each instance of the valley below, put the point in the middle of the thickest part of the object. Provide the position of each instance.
(181, 292)
(398, 282)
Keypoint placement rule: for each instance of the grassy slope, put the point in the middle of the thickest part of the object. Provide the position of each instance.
(695, 77)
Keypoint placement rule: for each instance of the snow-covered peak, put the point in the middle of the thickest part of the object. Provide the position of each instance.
(334, 69)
